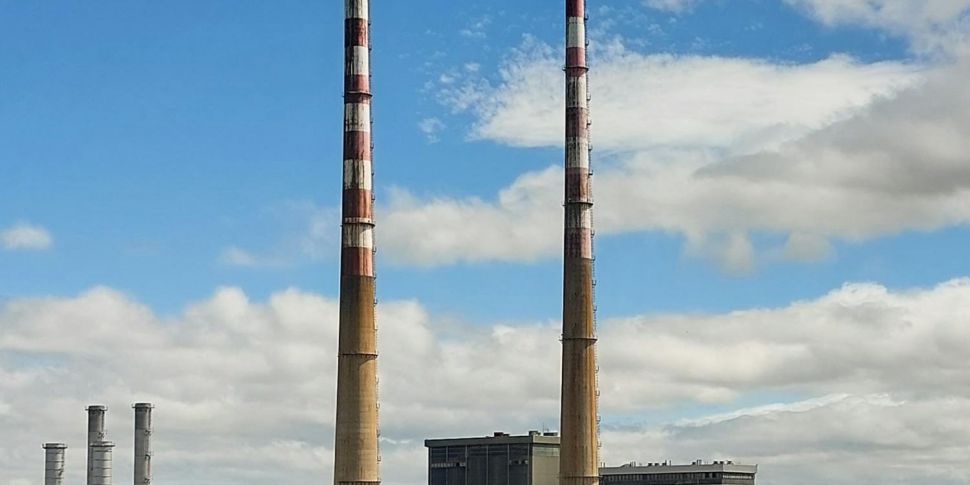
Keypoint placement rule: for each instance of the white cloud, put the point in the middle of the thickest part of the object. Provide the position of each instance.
(520, 225)
(656, 101)
(234, 256)
(431, 127)
(478, 29)
(25, 236)
(676, 6)
(806, 247)
(858, 339)
(716, 150)
(311, 233)
(244, 390)
(930, 24)
(906, 442)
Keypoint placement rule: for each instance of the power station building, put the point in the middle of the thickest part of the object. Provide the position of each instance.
(697, 473)
(495, 460)
(533, 459)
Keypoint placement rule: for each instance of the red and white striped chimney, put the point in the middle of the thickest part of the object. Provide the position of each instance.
(579, 455)
(355, 447)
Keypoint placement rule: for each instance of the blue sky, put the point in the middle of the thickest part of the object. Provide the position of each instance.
(751, 155)
(149, 138)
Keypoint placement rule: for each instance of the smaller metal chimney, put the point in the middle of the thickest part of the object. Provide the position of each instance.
(143, 443)
(54, 463)
(95, 435)
(101, 463)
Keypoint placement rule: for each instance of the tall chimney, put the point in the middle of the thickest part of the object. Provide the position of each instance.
(54, 463)
(578, 459)
(143, 443)
(100, 471)
(95, 435)
(355, 447)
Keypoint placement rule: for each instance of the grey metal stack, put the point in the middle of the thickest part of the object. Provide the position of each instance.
(100, 470)
(96, 414)
(54, 463)
(143, 443)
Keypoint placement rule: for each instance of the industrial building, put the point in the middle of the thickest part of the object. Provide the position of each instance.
(533, 459)
(494, 460)
(697, 473)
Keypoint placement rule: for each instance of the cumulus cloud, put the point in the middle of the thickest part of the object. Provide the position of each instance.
(244, 389)
(860, 338)
(651, 101)
(520, 225)
(25, 236)
(930, 24)
(906, 441)
(717, 151)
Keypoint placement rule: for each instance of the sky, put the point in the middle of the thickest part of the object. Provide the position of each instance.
(782, 211)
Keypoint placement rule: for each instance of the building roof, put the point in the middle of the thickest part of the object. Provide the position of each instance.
(497, 439)
(661, 468)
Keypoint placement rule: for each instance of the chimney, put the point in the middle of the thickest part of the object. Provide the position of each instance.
(355, 446)
(95, 435)
(579, 421)
(143, 443)
(54, 463)
(100, 469)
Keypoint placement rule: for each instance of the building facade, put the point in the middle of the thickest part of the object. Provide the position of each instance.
(533, 459)
(697, 473)
(501, 459)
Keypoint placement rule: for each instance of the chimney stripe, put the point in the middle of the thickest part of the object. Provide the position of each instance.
(578, 186)
(577, 152)
(358, 61)
(576, 91)
(356, 9)
(357, 262)
(358, 206)
(355, 32)
(575, 33)
(357, 145)
(357, 117)
(575, 58)
(358, 236)
(357, 174)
